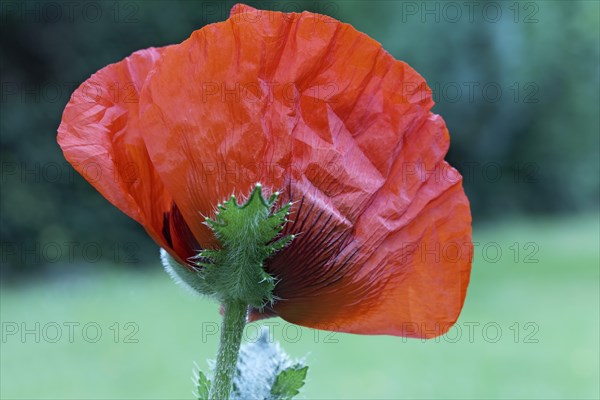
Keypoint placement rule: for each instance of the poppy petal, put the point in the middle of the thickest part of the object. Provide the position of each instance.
(402, 268)
(240, 9)
(100, 136)
(273, 97)
(306, 104)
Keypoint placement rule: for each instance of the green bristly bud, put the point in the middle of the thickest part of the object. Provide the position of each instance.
(234, 274)
(248, 235)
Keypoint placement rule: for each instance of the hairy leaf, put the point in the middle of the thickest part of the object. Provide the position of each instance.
(288, 382)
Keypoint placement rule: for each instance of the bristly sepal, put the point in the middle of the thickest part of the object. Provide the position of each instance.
(248, 235)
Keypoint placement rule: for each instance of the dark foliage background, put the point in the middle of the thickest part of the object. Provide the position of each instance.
(519, 91)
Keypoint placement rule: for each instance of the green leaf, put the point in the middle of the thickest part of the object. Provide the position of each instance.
(202, 385)
(259, 364)
(288, 382)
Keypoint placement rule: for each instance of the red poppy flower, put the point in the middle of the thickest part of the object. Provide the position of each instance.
(309, 106)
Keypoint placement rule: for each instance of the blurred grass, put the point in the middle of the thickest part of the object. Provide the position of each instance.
(555, 303)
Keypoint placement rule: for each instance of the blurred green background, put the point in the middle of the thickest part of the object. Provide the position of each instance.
(87, 312)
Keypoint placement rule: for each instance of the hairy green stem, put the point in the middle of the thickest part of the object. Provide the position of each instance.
(232, 328)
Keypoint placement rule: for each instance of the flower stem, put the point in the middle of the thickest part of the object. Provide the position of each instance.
(232, 328)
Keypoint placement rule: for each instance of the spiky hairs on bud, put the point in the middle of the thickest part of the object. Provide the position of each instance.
(248, 235)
